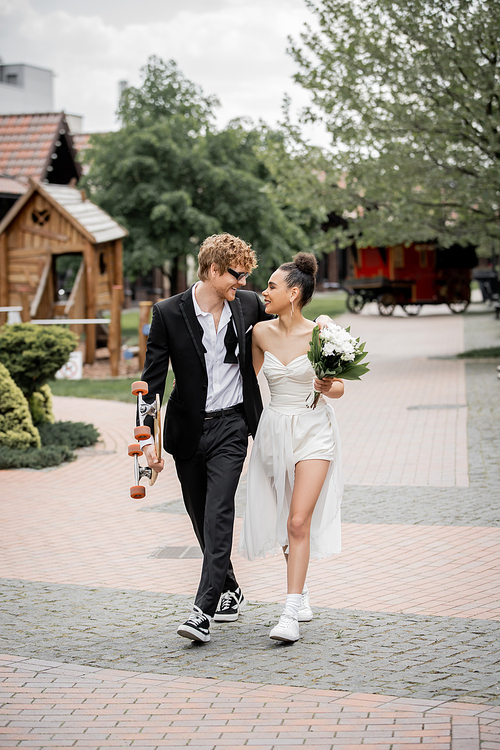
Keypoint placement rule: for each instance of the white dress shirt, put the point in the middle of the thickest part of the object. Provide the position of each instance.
(225, 385)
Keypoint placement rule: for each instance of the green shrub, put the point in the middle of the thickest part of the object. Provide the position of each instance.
(33, 354)
(72, 434)
(35, 458)
(16, 425)
(40, 404)
(59, 440)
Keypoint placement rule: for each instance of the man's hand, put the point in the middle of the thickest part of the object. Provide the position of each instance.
(152, 458)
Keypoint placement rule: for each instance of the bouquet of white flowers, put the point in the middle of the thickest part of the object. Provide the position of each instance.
(334, 353)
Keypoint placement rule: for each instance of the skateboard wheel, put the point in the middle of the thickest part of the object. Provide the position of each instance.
(138, 492)
(143, 432)
(140, 386)
(134, 449)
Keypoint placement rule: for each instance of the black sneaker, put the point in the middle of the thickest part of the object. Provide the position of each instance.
(196, 627)
(230, 605)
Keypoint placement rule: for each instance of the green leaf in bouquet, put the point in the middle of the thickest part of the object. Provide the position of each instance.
(355, 373)
(359, 357)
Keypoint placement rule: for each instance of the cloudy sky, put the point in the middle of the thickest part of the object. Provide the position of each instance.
(235, 49)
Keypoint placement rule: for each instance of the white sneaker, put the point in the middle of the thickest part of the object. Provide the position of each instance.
(287, 629)
(305, 611)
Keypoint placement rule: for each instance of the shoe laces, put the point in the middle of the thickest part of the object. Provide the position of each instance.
(286, 621)
(227, 599)
(197, 618)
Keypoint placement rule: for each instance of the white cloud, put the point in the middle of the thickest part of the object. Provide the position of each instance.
(233, 49)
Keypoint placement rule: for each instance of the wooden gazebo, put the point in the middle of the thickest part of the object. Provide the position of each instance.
(49, 221)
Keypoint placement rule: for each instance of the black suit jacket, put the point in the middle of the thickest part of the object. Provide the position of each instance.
(175, 336)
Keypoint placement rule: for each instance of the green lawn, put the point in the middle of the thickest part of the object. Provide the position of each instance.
(130, 327)
(117, 389)
(331, 304)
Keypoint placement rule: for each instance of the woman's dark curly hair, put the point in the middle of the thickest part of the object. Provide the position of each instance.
(302, 272)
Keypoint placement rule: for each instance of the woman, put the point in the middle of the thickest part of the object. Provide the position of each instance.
(294, 484)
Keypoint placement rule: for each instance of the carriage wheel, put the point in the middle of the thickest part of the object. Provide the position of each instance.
(412, 308)
(355, 302)
(386, 303)
(458, 296)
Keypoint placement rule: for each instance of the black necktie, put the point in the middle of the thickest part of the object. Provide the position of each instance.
(230, 342)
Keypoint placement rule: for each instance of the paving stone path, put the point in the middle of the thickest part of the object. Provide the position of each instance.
(424, 657)
(403, 649)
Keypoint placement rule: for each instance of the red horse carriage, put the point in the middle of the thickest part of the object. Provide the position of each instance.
(410, 276)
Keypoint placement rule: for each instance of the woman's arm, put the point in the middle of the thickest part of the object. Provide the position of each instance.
(330, 387)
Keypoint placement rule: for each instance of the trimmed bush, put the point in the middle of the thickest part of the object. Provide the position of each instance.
(33, 354)
(72, 434)
(40, 404)
(16, 425)
(35, 458)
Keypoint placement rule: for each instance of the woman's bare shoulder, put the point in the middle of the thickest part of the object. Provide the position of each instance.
(263, 327)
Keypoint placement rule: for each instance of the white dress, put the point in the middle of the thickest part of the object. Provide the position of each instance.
(290, 432)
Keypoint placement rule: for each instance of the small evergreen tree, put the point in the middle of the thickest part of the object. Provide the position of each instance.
(16, 425)
(33, 354)
(40, 404)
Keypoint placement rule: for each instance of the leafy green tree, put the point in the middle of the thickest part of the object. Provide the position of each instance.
(172, 179)
(410, 92)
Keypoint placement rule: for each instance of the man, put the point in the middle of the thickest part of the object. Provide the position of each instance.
(205, 333)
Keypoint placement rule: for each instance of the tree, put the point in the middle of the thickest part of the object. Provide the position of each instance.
(172, 178)
(410, 92)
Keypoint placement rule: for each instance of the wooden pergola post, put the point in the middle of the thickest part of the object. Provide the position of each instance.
(4, 280)
(115, 329)
(119, 266)
(90, 331)
(25, 302)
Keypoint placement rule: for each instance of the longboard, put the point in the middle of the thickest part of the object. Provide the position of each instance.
(143, 432)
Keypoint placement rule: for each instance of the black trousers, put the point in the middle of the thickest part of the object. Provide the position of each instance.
(209, 480)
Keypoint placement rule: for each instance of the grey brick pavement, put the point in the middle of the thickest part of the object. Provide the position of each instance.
(412, 656)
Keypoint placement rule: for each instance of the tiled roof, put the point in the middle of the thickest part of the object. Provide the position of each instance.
(10, 186)
(81, 141)
(92, 218)
(26, 142)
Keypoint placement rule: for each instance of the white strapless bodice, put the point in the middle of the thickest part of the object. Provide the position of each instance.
(290, 384)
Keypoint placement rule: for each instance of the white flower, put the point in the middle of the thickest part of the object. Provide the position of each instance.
(328, 348)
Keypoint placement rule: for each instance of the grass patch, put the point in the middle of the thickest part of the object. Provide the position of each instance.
(491, 352)
(332, 305)
(130, 327)
(117, 389)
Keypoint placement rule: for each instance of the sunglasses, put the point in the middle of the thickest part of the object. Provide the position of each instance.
(238, 275)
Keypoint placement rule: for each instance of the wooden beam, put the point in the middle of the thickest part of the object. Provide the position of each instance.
(41, 288)
(90, 343)
(119, 266)
(4, 277)
(24, 294)
(44, 233)
(115, 336)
